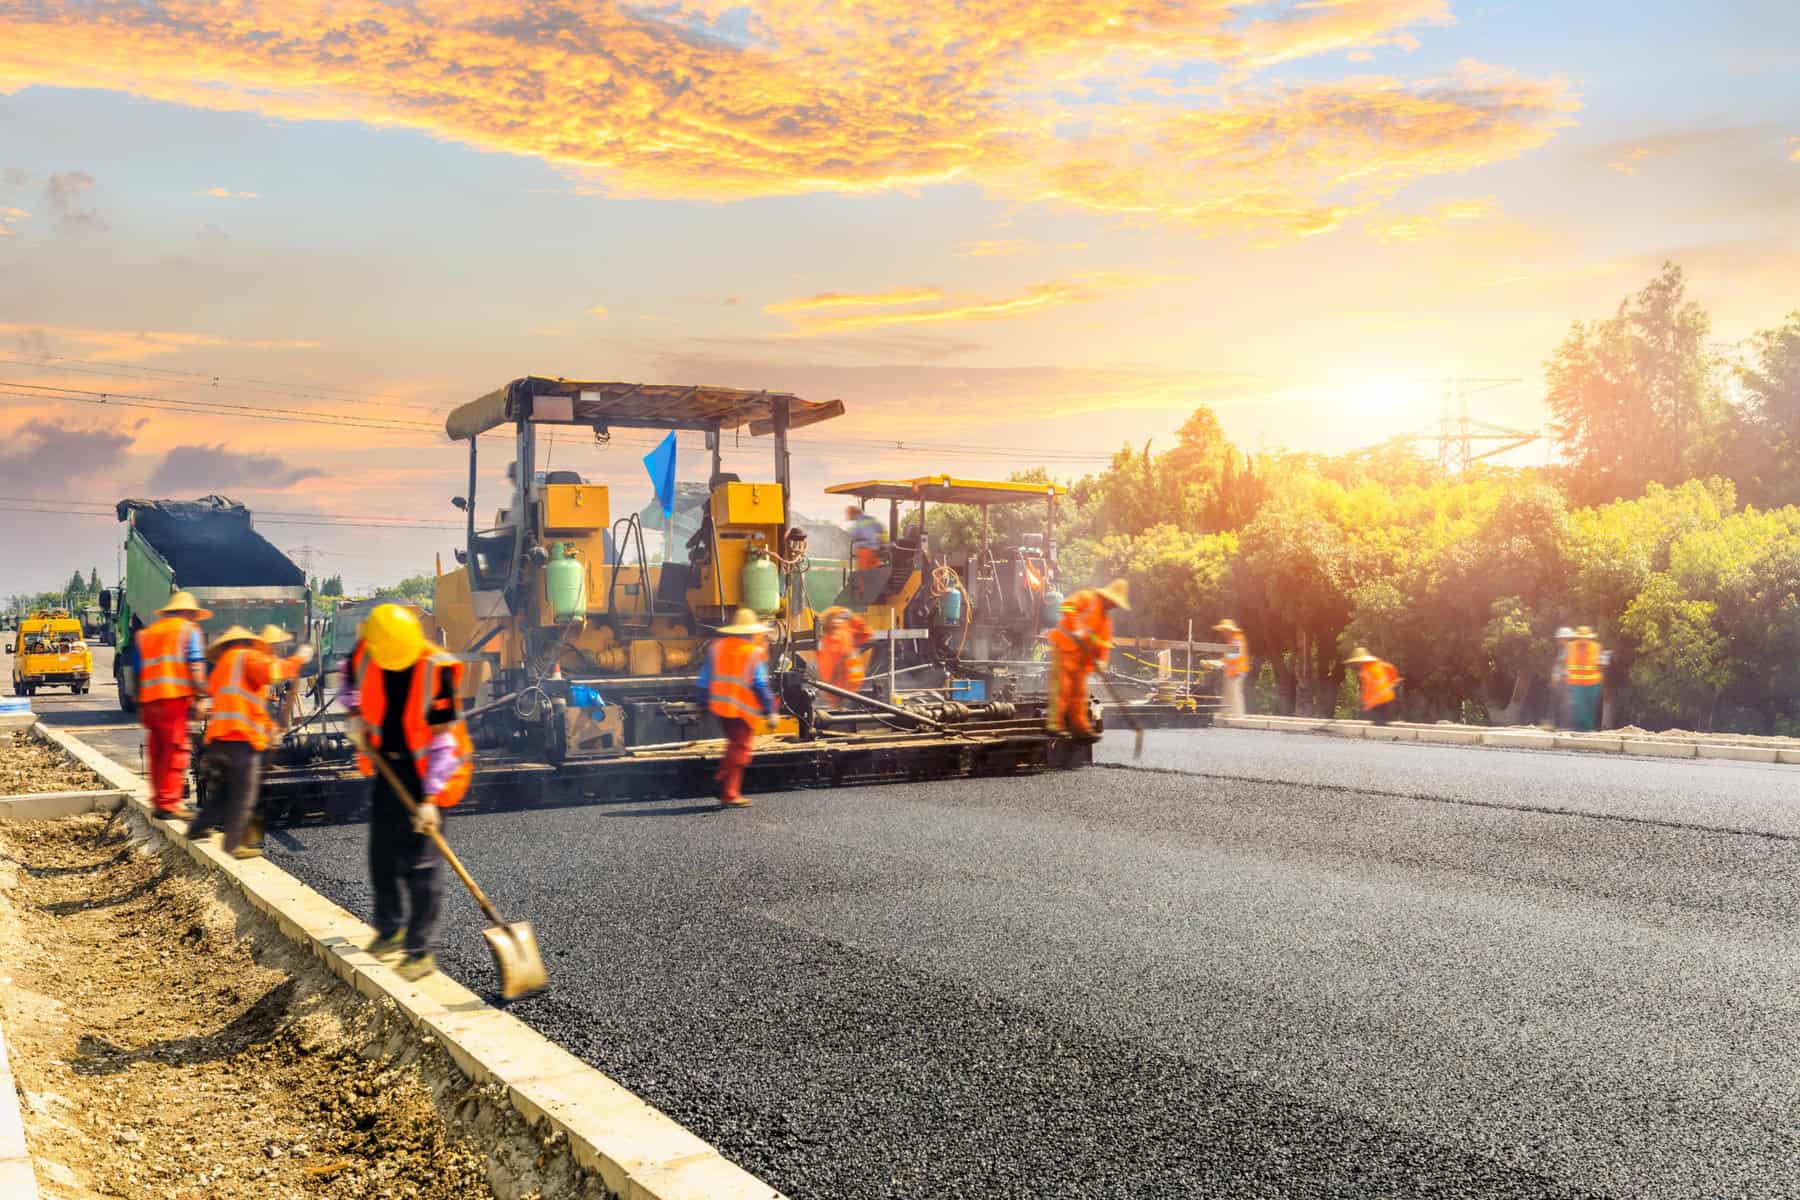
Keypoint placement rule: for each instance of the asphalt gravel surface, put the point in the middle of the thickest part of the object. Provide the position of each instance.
(1248, 964)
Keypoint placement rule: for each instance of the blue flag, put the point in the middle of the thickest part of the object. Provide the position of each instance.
(660, 462)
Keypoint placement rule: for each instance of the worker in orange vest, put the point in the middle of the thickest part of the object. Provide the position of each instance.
(1081, 644)
(1380, 685)
(406, 706)
(841, 635)
(734, 686)
(170, 659)
(1235, 664)
(867, 536)
(1583, 675)
(239, 729)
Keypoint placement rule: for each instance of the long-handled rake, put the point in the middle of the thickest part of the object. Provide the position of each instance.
(514, 945)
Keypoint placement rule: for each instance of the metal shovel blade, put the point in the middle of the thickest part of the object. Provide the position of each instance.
(515, 950)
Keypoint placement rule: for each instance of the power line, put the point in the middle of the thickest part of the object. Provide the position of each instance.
(210, 379)
(98, 508)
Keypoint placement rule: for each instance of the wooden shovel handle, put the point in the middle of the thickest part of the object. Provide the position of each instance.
(437, 838)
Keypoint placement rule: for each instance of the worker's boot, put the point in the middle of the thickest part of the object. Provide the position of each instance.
(386, 943)
(415, 967)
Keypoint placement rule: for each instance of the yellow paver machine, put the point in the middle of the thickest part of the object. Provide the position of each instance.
(584, 624)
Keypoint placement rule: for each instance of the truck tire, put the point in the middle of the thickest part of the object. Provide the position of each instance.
(127, 694)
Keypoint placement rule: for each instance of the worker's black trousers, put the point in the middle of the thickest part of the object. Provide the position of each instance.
(234, 770)
(404, 867)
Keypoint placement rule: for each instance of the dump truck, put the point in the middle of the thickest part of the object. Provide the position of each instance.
(208, 547)
(50, 652)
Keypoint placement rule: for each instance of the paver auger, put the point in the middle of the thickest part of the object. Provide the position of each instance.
(584, 646)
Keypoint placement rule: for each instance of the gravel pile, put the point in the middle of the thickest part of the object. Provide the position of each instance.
(1129, 983)
(28, 765)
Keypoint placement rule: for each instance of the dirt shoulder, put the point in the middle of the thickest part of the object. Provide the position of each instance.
(28, 766)
(169, 1046)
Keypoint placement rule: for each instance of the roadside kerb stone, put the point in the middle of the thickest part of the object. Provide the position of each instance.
(1449, 735)
(1519, 739)
(1658, 749)
(1589, 742)
(1390, 733)
(1758, 754)
(17, 1180)
(638, 1151)
(49, 806)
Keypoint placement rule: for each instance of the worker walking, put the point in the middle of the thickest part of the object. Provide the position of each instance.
(406, 704)
(1081, 643)
(238, 731)
(1380, 685)
(1583, 675)
(1236, 665)
(867, 536)
(734, 685)
(842, 635)
(1559, 681)
(170, 658)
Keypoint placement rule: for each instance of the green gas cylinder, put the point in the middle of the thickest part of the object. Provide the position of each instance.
(762, 584)
(565, 584)
(1053, 602)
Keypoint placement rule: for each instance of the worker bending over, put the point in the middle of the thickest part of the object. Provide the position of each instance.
(239, 730)
(734, 685)
(1380, 685)
(171, 672)
(842, 635)
(405, 701)
(867, 534)
(1583, 676)
(1081, 644)
(1235, 664)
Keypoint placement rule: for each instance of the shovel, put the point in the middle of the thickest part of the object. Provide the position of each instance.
(514, 945)
(1137, 749)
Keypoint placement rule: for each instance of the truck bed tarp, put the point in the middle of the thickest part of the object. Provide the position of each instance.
(209, 543)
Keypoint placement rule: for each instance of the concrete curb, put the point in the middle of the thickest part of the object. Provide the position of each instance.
(17, 1180)
(1518, 739)
(639, 1152)
(48, 806)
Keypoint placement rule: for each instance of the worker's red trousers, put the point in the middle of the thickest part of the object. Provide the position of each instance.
(1069, 693)
(739, 738)
(166, 730)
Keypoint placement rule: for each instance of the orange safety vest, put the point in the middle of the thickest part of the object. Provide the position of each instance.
(372, 704)
(1238, 661)
(1582, 668)
(240, 705)
(1086, 627)
(163, 669)
(733, 689)
(1379, 681)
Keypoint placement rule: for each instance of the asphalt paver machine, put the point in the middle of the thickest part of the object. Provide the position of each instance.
(584, 645)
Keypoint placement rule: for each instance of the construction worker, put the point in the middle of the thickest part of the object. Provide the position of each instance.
(842, 634)
(867, 536)
(1583, 675)
(238, 731)
(1559, 682)
(1235, 664)
(170, 665)
(734, 686)
(1380, 685)
(405, 704)
(1081, 643)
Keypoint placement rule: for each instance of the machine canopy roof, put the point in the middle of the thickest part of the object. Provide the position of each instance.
(632, 406)
(943, 489)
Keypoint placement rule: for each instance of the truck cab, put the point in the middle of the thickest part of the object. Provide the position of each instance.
(50, 651)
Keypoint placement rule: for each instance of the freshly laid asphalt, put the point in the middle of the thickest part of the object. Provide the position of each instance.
(1248, 964)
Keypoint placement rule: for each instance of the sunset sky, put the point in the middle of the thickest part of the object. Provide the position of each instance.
(1012, 232)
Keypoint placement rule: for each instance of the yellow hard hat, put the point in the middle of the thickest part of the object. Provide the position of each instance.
(184, 602)
(394, 638)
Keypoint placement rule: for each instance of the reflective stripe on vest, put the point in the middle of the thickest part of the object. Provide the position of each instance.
(1238, 662)
(239, 713)
(733, 689)
(1583, 666)
(416, 721)
(164, 671)
(1086, 626)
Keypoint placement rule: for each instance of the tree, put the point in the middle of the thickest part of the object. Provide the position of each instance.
(333, 586)
(414, 589)
(1632, 396)
(1766, 445)
(93, 584)
(1681, 664)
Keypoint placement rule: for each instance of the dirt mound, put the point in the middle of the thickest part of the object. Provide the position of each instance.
(29, 765)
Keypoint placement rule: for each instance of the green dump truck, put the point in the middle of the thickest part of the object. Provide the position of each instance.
(208, 547)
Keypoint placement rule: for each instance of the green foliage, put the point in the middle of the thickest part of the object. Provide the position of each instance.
(1175, 577)
(414, 589)
(1766, 442)
(1681, 665)
(333, 586)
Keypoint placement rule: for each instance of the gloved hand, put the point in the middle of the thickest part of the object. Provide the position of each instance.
(426, 818)
(304, 654)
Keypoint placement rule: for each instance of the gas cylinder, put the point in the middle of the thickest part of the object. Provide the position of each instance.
(1053, 602)
(950, 606)
(762, 583)
(565, 584)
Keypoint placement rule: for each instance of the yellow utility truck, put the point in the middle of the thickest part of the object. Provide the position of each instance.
(49, 651)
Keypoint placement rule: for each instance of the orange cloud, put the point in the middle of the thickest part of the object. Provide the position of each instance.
(228, 194)
(1421, 225)
(10, 217)
(826, 300)
(600, 311)
(693, 99)
(1079, 290)
(134, 345)
(987, 249)
(1794, 156)
(1626, 164)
